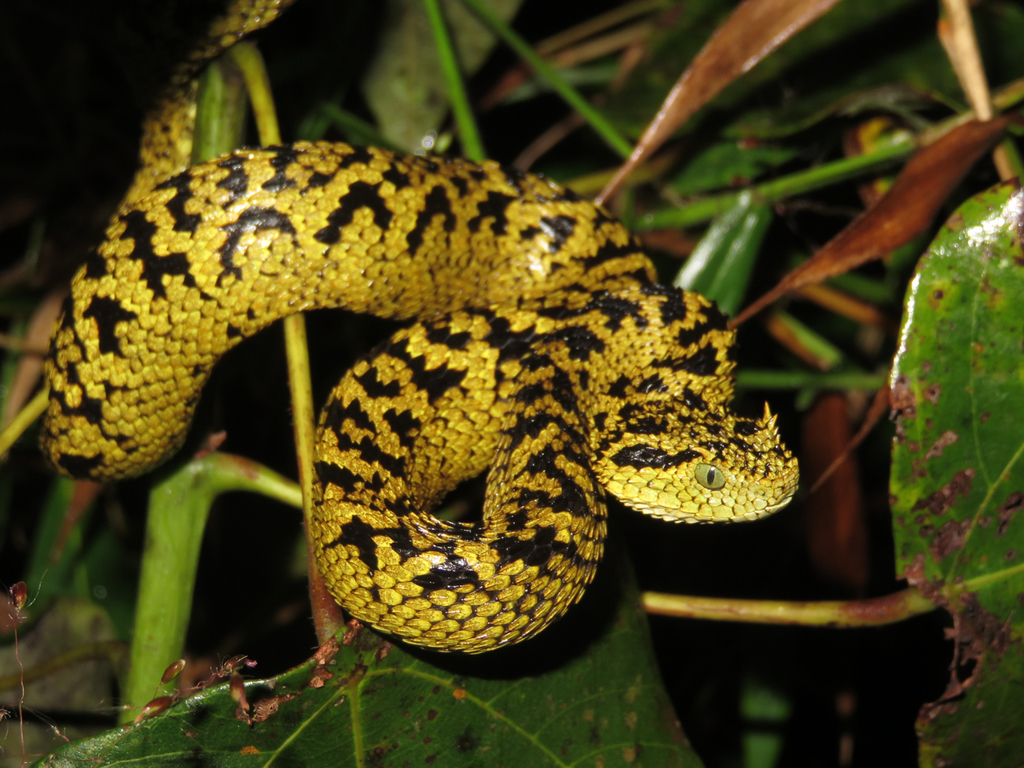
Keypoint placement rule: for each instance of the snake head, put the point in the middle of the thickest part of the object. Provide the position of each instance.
(718, 468)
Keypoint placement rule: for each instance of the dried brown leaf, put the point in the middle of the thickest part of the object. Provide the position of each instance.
(754, 30)
(905, 211)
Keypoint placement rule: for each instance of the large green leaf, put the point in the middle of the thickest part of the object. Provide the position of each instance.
(559, 700)
(957, 478)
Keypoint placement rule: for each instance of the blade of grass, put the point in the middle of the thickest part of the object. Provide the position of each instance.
(899, 216)
(32, 411)
(767, 379)
(779, 189)
(356, 129)
(472, 144)
(596, 120)
(753, 30)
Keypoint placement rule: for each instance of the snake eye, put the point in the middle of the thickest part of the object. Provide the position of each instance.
(709, 476)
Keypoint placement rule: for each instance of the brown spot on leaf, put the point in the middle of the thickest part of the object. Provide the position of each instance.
(1013, 502)
(949, 539)
(901, 399)
(979, 625)
(940, 502)
(264, 708)
(932, 392)
(945, 440)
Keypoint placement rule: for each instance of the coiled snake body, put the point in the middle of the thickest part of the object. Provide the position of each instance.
(543, 352)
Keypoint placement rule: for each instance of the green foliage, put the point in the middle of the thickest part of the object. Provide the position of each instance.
(761, 178)
(567, 701)
(958, 479)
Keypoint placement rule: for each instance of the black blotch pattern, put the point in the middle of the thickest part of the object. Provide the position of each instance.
(154, 267)
(360, 534)
(337, 414)
(693, 401)
(718, 446)
(558, 229)
(357, 155)
(688, 336)
(319, 179)
(251, 220)
(80, 466)
(495, 205)
(653, 383)
(183, 222)
(453, 572)
(581, 341)
(108, 313)
(619, 387)
(617, 309)
(374, 387)
(95, 265)
(371, 453)
(745, 428)
(703, 363)
(674, 309)
(282, 158)
(648, 456)
(441, 334)
(396, 177)
(342, 477)
(404, 425)
(435, 202)
(359, 195)
(610, 250)
(510, 344)
(742, 444)
(237, 180)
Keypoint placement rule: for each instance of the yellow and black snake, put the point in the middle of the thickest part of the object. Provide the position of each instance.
(542, 352)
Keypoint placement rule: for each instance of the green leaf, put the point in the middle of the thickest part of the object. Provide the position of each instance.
(721, 265)
(729, 164)
(561, 699)
(957, 479)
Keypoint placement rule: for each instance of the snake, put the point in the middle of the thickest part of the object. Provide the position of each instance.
(540, 349)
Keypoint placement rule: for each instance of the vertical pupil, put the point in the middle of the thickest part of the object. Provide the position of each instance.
(711, 476)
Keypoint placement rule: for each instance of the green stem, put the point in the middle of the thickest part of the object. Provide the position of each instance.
(248, 59)
(779, 189)
(756, 379)
(222, 103)
(178, 508)
(35, 408)
(356, 129)
(558, 83)
(472, 144)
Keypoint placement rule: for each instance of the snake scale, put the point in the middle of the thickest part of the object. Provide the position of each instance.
(542, 351)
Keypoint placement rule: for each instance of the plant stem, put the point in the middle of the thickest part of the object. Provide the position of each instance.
(472, 144)
(558, 83)
(873, 612)
(178, 509)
